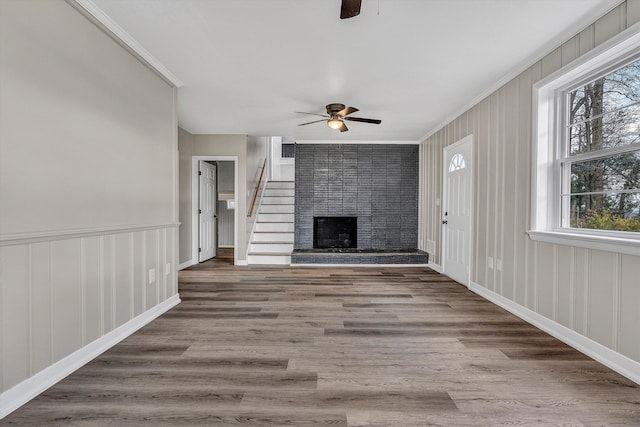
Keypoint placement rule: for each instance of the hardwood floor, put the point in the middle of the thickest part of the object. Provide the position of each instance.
(381, 346)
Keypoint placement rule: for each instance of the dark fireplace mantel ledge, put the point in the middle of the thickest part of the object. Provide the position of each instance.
(359, 256)
(359, 251)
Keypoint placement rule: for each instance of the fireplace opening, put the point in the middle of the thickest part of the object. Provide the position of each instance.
(335, 232)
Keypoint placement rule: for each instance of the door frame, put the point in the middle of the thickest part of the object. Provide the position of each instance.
(195, 203)
(467, 139)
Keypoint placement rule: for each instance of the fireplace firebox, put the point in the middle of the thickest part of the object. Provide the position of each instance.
(335, 232)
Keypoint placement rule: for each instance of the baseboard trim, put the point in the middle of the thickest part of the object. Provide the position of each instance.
(242, 262)
(608, 357)
(360, 265)
(23, 392)
(186, 264)
(436, 267)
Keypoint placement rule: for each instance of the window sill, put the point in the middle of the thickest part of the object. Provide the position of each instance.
(620, 245)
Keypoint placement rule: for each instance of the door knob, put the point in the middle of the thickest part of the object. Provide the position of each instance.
(445, 222)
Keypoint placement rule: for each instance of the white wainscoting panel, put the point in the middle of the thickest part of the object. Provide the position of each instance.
(60, 295)
(225, 225)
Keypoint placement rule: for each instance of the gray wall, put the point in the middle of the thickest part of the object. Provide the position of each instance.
(378, 183)
(226, 180)
(88, 186)
(592, 292)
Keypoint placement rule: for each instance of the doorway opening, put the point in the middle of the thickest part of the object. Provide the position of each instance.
(214, 231)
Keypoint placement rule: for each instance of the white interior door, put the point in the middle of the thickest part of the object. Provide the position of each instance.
(207, 211)
(456, 221)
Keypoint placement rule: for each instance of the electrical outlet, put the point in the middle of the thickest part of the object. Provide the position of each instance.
(490, 262)
(498, 264)
(167, 269)
(152, 275)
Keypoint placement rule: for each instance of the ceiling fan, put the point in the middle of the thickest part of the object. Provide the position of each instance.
(350, 8)
(336, 116)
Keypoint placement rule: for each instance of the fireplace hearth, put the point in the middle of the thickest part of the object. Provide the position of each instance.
(331, 232)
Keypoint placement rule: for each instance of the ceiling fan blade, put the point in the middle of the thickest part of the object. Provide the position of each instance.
(350, 8)
(312, 114)
(343, 128)
(360, 119)
(315, 121)
(347, 111)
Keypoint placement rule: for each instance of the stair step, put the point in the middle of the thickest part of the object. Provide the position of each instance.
(286, 227)
(270, 248)
(275, 217)
(277, 208)
(273, 259)
(273, 237)
(278, 200)
(281, 184)
(290, 192)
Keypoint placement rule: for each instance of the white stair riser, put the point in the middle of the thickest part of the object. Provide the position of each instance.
(275, 217)
(277, 209)
(269, 259)
(272, 237)
(275, 226)
(281, 184)
(280, 192)
(281, 200)
(277, 248)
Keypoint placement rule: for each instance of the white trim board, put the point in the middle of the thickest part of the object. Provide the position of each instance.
(45, 236)
(361, 265)
(23, 392)
(186, 264)
(610, 358)
(93, 13)
(435, 267)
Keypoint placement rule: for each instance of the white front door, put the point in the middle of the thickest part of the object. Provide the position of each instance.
(456, 220)
(207, 211)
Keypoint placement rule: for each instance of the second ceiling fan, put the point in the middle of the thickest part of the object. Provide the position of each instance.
(336, 115)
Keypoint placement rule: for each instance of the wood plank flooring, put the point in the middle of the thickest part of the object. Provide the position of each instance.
(271, 346)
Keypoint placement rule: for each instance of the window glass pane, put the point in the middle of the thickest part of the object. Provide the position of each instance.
(617, 172)
(612, 130)
(619, 212)
(605, 113)
(457, 163)
(288, 150)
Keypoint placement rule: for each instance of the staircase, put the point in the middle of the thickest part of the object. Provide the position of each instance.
(272, 239)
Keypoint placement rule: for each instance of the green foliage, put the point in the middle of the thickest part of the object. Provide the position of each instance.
(606, 221)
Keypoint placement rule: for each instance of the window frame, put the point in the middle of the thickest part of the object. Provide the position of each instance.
(549, 146)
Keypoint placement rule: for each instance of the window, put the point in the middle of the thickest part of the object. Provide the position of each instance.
(288, 150)
(600, 159)
(457, 163)
(586, 183)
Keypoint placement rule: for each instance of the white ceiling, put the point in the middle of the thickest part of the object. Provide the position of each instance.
(249, 65)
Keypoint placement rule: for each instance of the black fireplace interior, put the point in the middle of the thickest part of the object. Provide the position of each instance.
(335, 232)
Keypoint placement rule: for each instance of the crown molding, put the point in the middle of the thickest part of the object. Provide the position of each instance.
(92, 12)
(536, 56)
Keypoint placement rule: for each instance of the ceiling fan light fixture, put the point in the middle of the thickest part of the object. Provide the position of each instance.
(335, 123)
